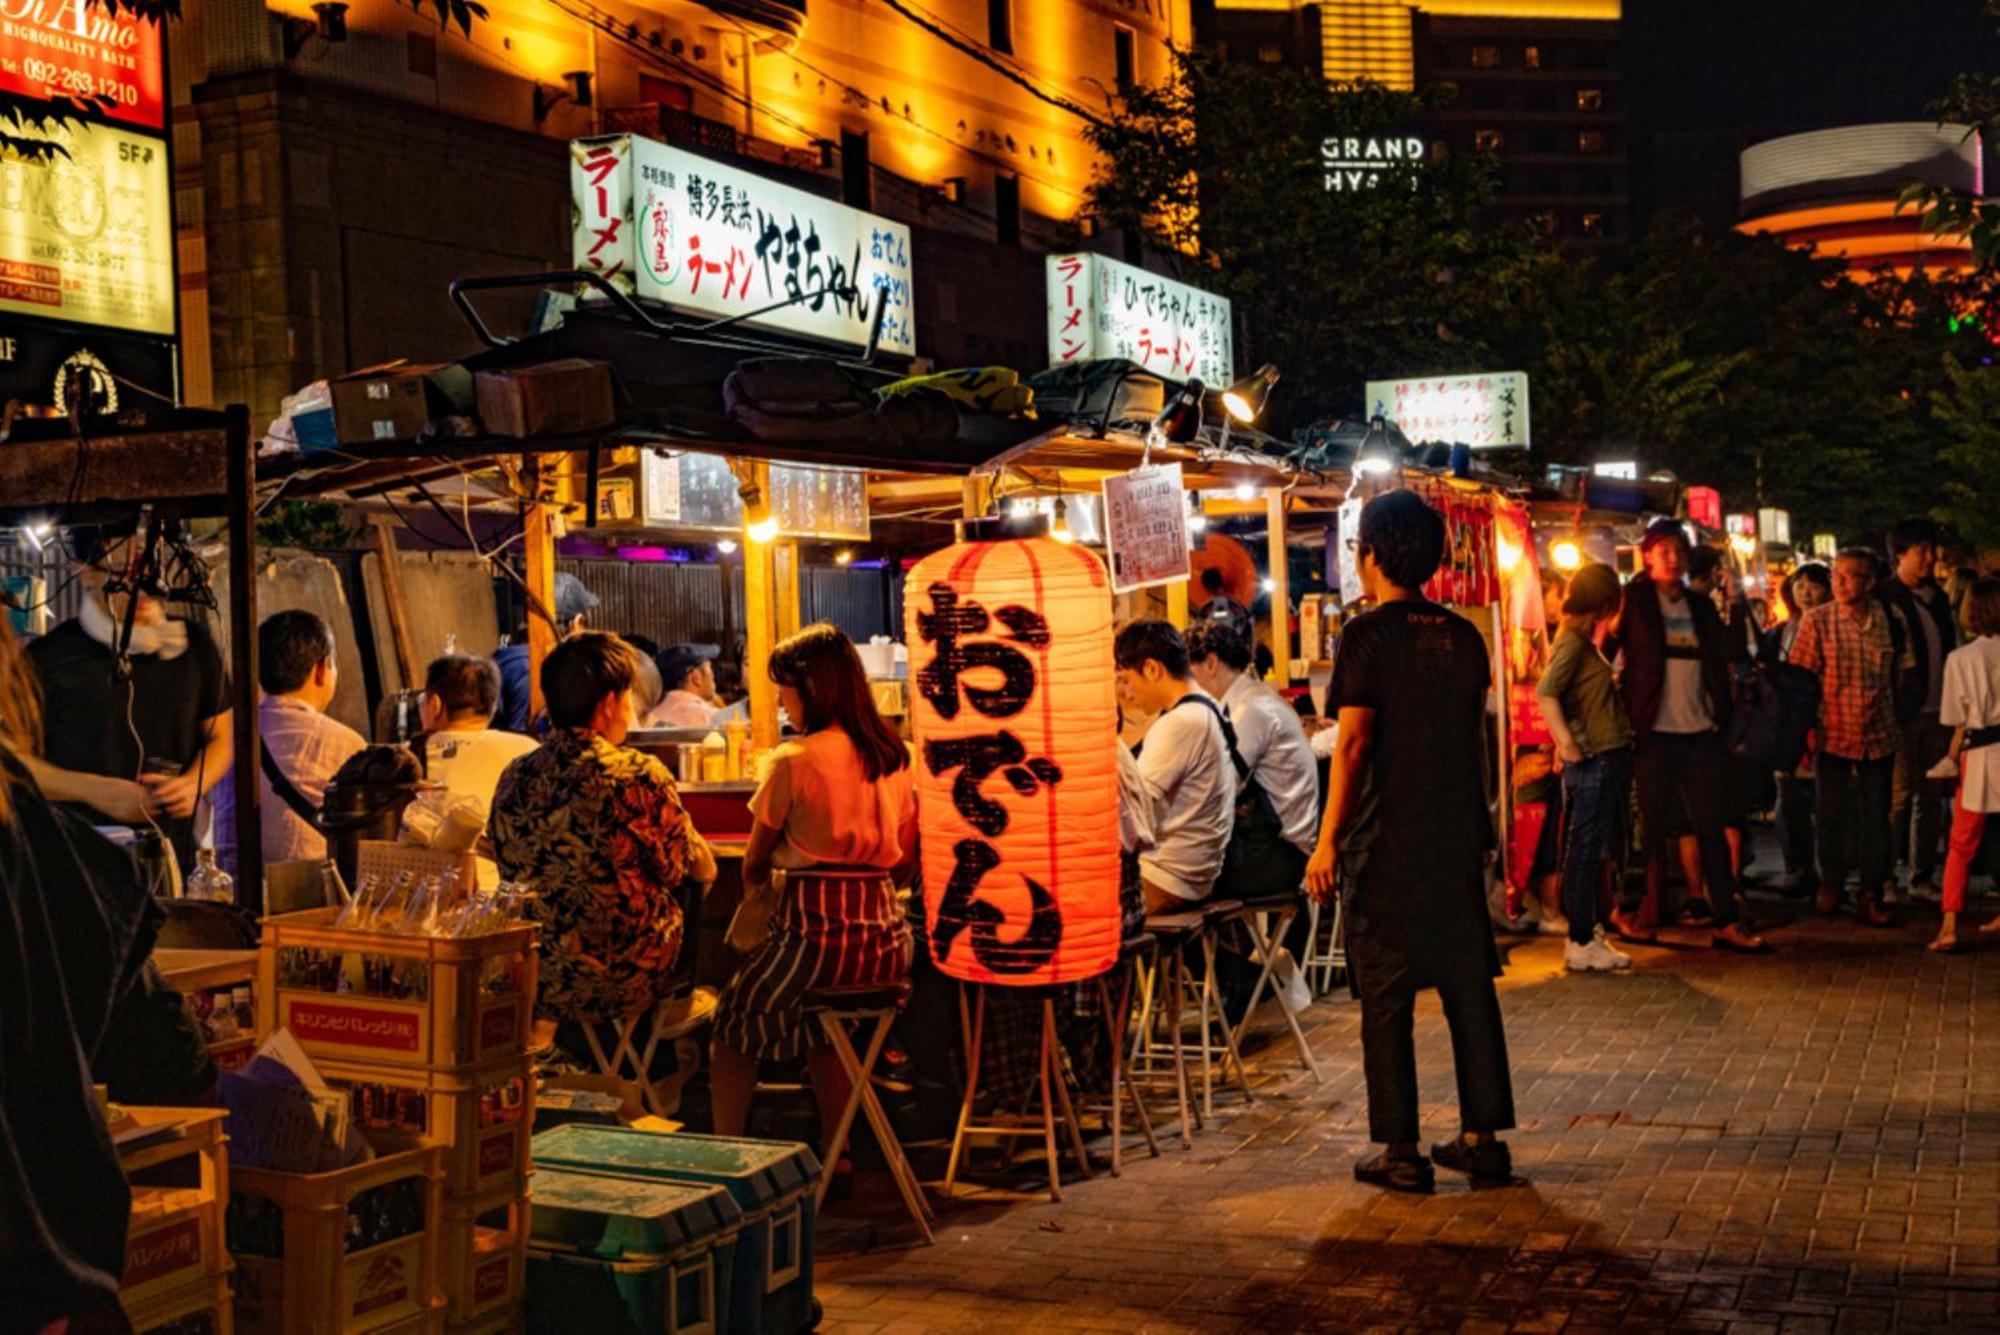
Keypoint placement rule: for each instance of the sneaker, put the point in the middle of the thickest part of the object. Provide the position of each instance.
(1489, 1163)
(1553, 924)
(1596, 956)
(1924, 890)
(1413, 1175)
(1597, 937)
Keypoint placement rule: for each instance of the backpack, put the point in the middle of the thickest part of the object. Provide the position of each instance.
(1253, 867)
(1777, 705)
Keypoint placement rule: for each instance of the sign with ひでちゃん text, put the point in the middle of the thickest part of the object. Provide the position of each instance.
(1102, 308)
(1350, 163)
(1487, 410)
(86, 52)
(89, 238)
(677, 228)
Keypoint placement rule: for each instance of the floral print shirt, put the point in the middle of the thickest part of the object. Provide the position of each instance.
(599, 830)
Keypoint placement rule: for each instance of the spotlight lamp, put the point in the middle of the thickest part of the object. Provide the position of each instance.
(1180, 419)
(1566, 554)
(1377, 454)
(1245, 399)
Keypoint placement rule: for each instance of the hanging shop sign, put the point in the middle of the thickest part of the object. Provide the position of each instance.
(1623, 470)
(89, 238)
(1740, 526)
(680, 229)
(1775, 526)
(1704, 506)
(48, 366)
(700, 491)
(1145, 527)
(1102, 308)
(1487, 410)
(77, 49)
(1350, 164)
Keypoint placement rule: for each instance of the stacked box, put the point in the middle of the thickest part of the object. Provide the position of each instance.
(176, 1263)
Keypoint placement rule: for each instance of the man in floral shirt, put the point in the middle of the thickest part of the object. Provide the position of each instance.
(598, 829)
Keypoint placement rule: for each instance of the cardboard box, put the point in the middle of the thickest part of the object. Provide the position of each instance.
(558, 398)
(397, 401)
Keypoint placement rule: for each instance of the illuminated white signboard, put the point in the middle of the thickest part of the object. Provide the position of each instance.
(89, 238)
(1101, 308)
(1356, 162)
(1487, 410)
(1623, 470)
(680, 229)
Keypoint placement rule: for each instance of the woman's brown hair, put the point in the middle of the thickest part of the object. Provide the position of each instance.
(1982, 606)
(20, 713)
(821, 665)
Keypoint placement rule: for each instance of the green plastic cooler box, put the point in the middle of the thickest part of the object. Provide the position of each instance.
(771, 1181)
(630, 1255)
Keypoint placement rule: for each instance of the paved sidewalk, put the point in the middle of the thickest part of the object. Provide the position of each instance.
(1804, 1142)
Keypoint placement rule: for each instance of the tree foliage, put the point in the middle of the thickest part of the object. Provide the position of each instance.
(1973, 101)
(1968, 414)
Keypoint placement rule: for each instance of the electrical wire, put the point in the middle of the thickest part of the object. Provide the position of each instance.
(964, 44)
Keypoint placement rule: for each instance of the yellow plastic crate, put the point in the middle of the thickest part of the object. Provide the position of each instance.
(483, 1251)
(202, 1305)
(174, 1240)
(483, 1117)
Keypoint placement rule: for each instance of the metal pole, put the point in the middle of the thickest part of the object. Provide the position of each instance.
(247, 790)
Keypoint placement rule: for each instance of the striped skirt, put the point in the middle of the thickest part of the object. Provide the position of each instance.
(834, 927)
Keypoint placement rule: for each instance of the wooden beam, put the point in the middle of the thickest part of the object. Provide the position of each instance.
(1281, 630)
(974, 493)
(176, 469)
(247, 793)
(392, 597)
(538, 557)
(760, 615)
(1177, 603)
(785, 557)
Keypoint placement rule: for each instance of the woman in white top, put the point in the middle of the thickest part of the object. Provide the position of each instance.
(837, 816)
(1970, 704)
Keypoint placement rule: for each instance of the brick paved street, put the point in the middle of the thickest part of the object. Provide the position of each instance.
(1804, 1142)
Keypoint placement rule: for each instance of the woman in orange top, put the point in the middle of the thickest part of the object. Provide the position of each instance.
(837, 818)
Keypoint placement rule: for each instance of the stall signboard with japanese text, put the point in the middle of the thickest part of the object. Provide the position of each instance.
(1145, 527)
(1487, 410)
(1101, 308)
(690, 490)
(82, 50)
(1704, 506)
(89, 238)
(674, 227)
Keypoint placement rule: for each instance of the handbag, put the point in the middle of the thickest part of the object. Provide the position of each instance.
(750, 925)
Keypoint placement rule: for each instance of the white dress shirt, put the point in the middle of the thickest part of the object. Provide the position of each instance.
(309, 749)
(1185, 765)
(1273, 744)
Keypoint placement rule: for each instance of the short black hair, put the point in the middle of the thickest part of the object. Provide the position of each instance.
(464, 685)
(581, 671)
(645, 644)
(1907, 533)
(1703, 561)
(1154, 639)
(1405, 535)
(290, 644)
(1218, 639)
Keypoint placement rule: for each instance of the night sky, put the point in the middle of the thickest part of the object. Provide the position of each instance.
(1709, 77)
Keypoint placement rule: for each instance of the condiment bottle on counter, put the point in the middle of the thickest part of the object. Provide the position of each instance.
(738, 730)
(714, 758)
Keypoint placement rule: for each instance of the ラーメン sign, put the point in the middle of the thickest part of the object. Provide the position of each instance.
(79, 49)
(1487, 410)
(673, 227)
(1349, 163)
(1101, 308)
(89, 238)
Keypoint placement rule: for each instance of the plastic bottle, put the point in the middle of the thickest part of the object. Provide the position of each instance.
(738, 731)
(208, 881)
(714, 758)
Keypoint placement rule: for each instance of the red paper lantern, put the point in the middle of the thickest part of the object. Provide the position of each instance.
(1016, 719)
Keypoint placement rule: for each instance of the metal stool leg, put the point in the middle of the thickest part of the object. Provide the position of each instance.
(1182, 1094)
(861, 1095)
(1211, 997)
(1123, 1086)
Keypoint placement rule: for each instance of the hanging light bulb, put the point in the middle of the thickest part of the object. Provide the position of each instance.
(1060, 529)
(843, 556)
(1246, 492)
(726, 546)
(1565, 554)
(762, 530)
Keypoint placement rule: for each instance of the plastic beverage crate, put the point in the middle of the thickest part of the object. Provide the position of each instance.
(206, 980)
(352, 1250)
(483, 1252)
(771, 1181)
(174, 1240)
(628, 1255)
(483, 1117)
(198, 1308)
(417, 1001)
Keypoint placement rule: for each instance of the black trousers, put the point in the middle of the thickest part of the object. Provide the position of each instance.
(1682, 780)
(1478, 1053)
(1852, 811)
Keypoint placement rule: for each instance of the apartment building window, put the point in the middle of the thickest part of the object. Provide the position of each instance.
(668, 93)
(1486, 57)
(1548, 222)
(1590, 99)
(1270, 53)
(1531, 57)
(1590, 141)
(1597, 183)
(1125, 57)
(1487, 141)
(857, 180)
(1007, 210)
(1591, 224)
(1542, 141)
(1000, 25)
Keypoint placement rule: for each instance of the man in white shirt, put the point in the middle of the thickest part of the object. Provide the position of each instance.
(463, 750)
(687, 671)
(1184, 762)
(1269, 737)
(296, 670)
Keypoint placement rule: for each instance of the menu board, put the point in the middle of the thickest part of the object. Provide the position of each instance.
(89, 238)
(1145, 527)
(699, 491)
(84, 51)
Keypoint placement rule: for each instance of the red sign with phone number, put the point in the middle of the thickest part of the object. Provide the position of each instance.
(76, 49)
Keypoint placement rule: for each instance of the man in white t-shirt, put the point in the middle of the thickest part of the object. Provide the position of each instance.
(463, 750)
(1269, 737)
(1184, 762)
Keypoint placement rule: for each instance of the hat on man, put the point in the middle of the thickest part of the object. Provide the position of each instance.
(572, 599)
(677, 660)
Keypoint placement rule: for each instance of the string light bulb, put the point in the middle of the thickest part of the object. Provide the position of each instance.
(1059, 530)
(726, 546)
(1565, 554)
(762, 530)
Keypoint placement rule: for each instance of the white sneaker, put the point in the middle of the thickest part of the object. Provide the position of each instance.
(1596, 957)
(1598, 938)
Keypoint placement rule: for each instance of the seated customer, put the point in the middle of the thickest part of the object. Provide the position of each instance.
(838, 816)
(462, 749)
(687, 671)
(1185, 764)
(598, 830)
(296, 670)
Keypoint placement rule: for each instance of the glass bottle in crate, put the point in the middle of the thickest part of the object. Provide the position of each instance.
(208, 881)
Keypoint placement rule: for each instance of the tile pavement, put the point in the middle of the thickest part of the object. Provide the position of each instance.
(1804, 1142)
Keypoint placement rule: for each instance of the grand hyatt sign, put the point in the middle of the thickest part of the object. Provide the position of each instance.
(1353, 163)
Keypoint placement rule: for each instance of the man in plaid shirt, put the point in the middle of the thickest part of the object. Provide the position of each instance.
(1858, 656)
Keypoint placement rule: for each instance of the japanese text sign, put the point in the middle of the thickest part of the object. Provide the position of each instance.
(1145, 527)
(1704, 506)
(1101, 308)
(674, 227)
(1487, 410)
(691, 490)
(75, 49)
(89, 238)
(1015, 717)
